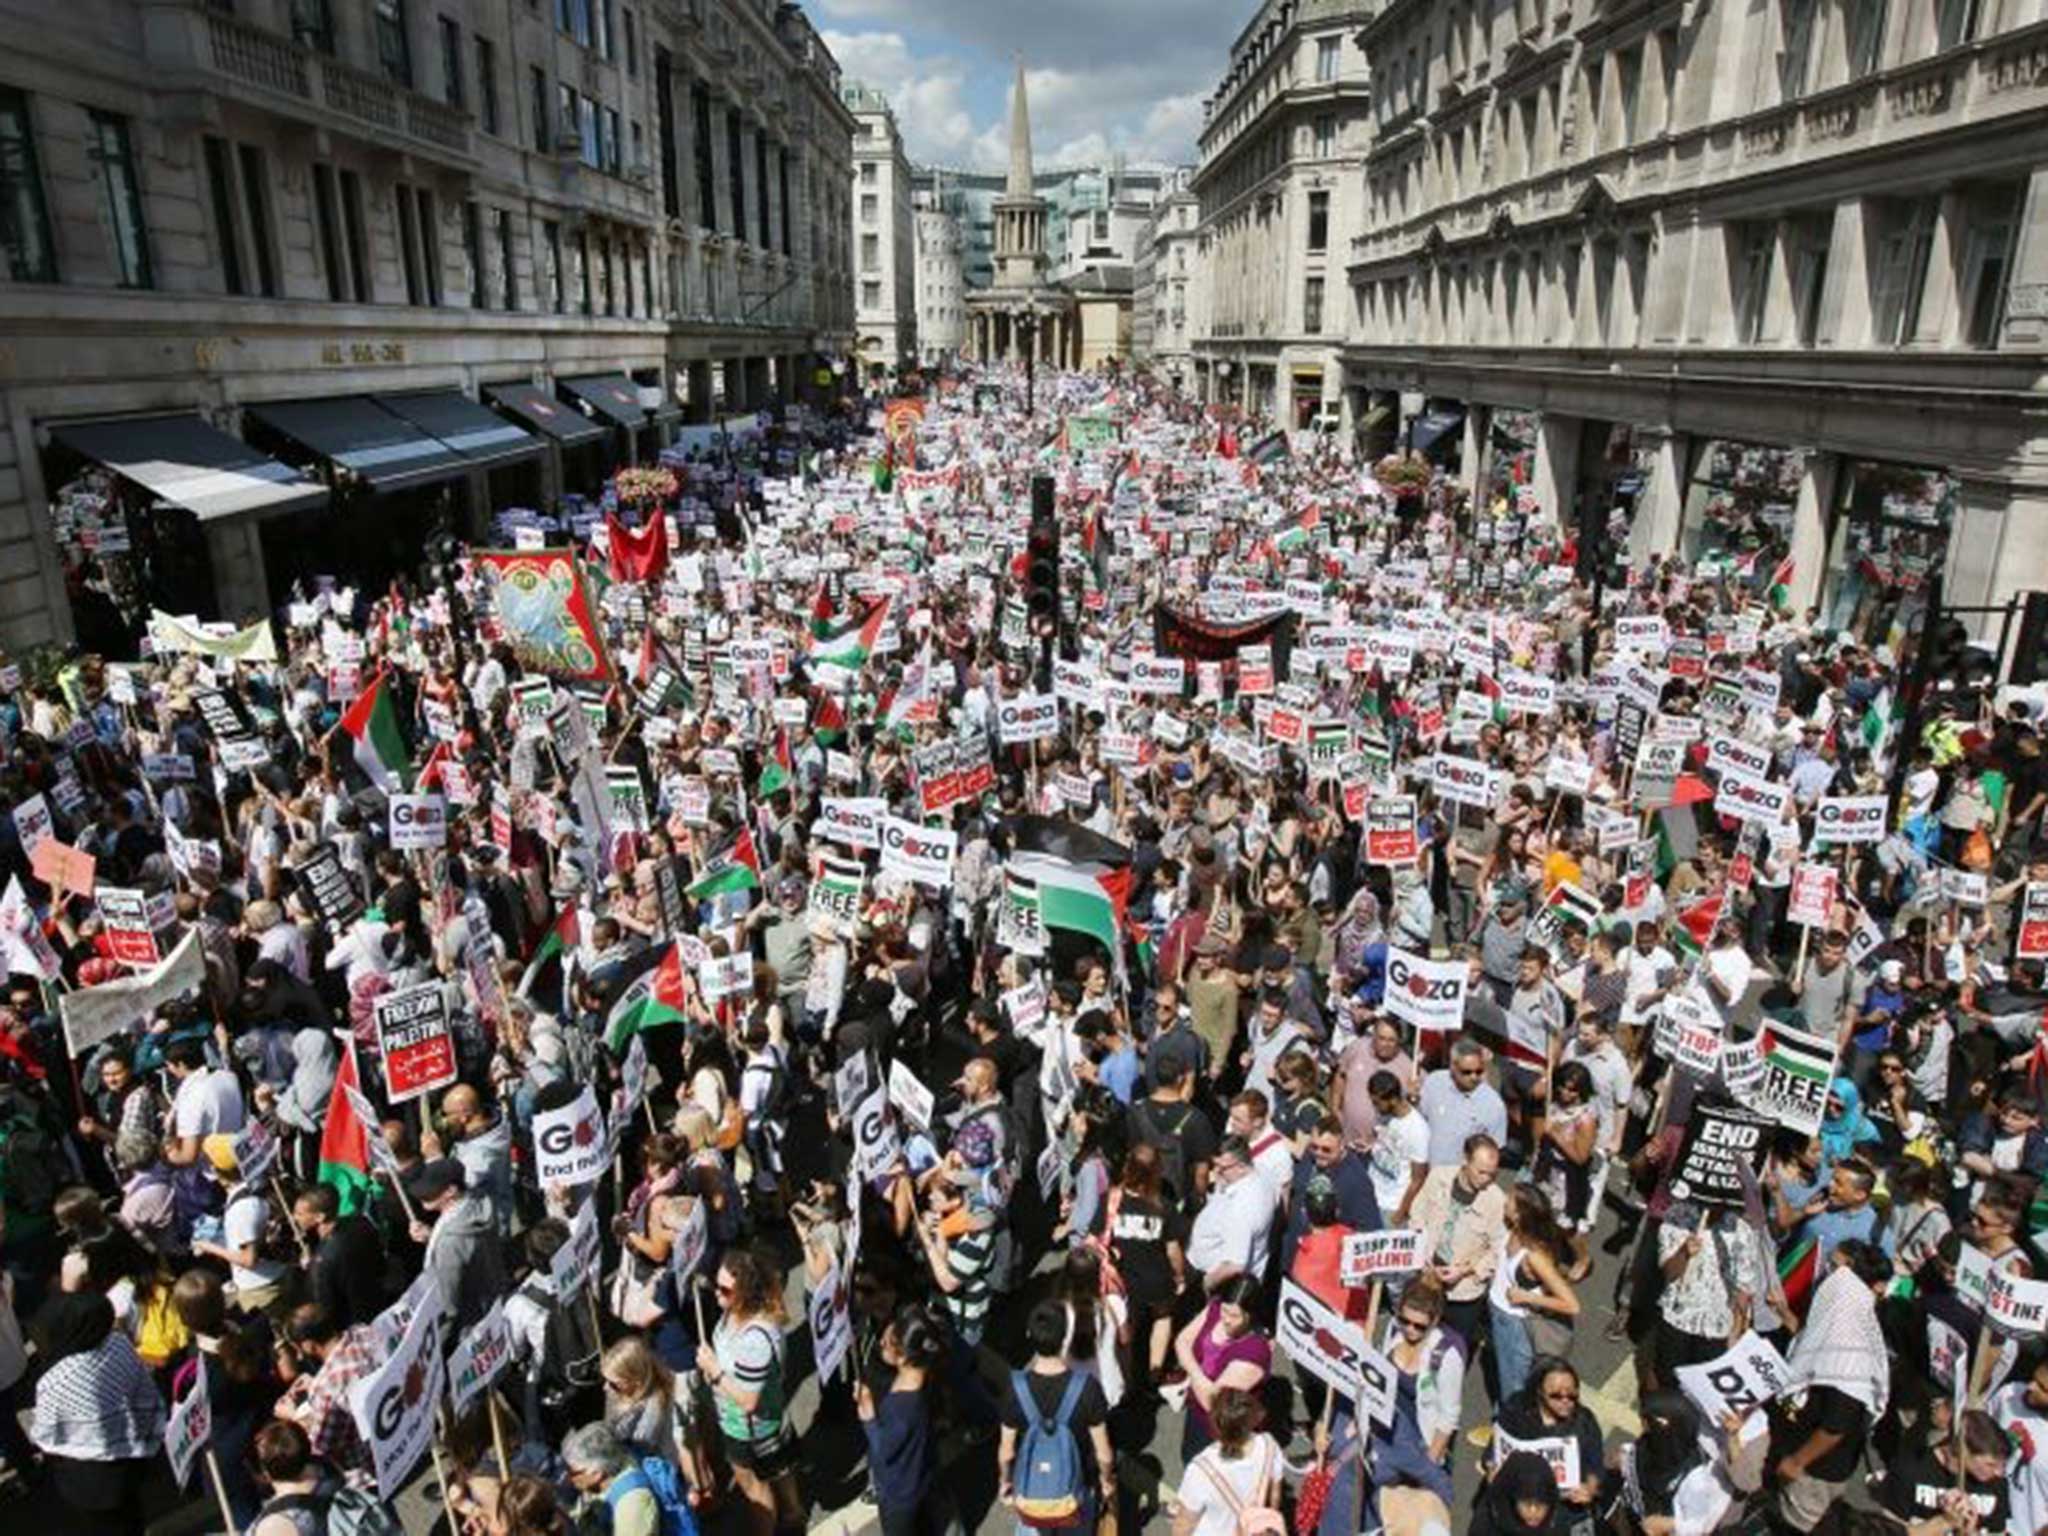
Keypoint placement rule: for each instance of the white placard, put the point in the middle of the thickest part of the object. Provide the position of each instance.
(568, 1143)
(1430, 994)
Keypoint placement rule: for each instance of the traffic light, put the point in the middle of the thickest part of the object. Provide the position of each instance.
(1042, 561)
(1953, 659)
(2030, 656)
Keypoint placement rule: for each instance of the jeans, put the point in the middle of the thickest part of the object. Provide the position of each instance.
(1513, 1353)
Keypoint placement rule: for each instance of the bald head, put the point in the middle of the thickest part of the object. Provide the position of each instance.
(461, 1104)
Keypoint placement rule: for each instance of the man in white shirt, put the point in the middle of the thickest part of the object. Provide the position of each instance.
(207, 1101)
(1650, 966)
(1400, 1146)
(1594, 1048)
(1272, 1156)
(1233, 1233)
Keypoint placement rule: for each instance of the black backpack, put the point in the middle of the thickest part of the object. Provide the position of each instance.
(33, 1167)
(1167, 1140)
(569, 1358)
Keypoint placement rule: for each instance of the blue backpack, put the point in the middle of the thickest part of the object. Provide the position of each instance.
(1049, 1485)
(660, 1478)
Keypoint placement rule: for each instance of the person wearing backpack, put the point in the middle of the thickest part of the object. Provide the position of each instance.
(742, 1364)
(305, 1498)
(1168, 1121)
(642, 1495)
(1054, 1462)
(1233, 1487)
(554, 1341)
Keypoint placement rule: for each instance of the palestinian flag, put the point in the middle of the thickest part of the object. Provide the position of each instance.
(636, 554)
(1877, 720)
(345, 1140)
(1799, 1272)
(828, 722)
(1086, 899)
(1018, 925)
(734, 867)
(1779, 593)
(1696, 923)
(380, 750)
(561, 939)
(653, 997)
(850, 644)
(778, 772)
(1270, 449)
(885, 470)
(1095, 546)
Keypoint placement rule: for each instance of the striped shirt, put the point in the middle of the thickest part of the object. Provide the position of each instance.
(971, 1259)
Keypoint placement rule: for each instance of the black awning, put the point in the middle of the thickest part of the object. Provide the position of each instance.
(614, 397)
(184, 461)
(1431, 428)
(538, 408)
(481, 436)
(357, 433)
(668, 413)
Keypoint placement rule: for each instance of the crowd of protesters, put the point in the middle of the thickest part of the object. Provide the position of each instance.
(998, 1178)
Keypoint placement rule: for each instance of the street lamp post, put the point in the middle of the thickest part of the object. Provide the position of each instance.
(1025, 321)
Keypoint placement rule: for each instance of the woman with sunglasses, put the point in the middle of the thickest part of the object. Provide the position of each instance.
(743, 1368)
(1429, 1364)
(1548, 1408)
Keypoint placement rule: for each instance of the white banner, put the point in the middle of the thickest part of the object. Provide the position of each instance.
(1430, 994)
(418, 822)
(1336, 1351)
(1747, 1376)
(191, 1426)
(1464, 781)
(1367, 1256)
(1849, 819)
(854, 821)
(1028, 717)
(394, 1405)
(568, 1143)
(918, 853)
(1752, 799)
(92, 1014)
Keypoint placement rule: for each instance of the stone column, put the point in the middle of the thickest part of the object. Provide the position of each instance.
(1845, 296)
(1660, 510)
(1556, 474)
(1810, 528)
(1998, 545)
(234, 548)
(2029, 328)
(1475, 454)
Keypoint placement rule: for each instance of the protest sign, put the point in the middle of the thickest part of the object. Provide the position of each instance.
(1335, 1350)
(2015, 1306)
(1813, 895)
(124, 920)
(418, 1046)
(1430, 994)
(568, 1142)
(93, 1014)
(1390, 836)
(394, 1404)
(1689, 1033)
(418, 822)
(2031, 939)
(189, 1429)
(853, 821)
(1842, 819)
(724, 976)
(1792, 1076)
(918, 853)
(328, 886)
(1027, 717)
(1367, 1256)
(1559, 1452)
(479, 1358)
(1751, 799)
(1719, 1143)
(876, 1146)
(831, 1319)
(835, 894)
(692, 1241)
(912, 1099)
(1747, 1375)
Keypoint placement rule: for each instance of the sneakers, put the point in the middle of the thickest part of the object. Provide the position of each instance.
(1480, 1436)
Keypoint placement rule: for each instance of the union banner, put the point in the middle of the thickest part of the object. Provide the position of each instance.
(543, 608)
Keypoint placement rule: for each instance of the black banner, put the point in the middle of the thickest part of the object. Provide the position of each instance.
(1183, 634)
(1719, 1139)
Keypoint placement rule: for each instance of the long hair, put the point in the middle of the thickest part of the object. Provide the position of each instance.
(756, 1286)
(1535, 1222)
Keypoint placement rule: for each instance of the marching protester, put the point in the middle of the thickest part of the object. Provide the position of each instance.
(1213, 954)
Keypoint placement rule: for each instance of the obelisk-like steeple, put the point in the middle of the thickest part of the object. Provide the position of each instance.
(1019, 183)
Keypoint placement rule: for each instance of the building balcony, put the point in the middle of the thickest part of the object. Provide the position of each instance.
(208, 57)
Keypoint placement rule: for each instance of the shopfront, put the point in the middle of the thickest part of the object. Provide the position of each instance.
(1511, 453)
(1308, 396)
(1889, 533)
(1613, 471)
(1740, 497)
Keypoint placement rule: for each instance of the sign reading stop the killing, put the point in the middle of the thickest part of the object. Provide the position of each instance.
(419, 1050)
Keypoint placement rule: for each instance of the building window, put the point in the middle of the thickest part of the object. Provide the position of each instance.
(587, 133)
(1753, 282)
(1327, 50)
(1326, 135)
(419, 245)
(665, 129)
(700, 145)
(762, 206)
(313, 25)
(394, 51)
(336, 227)
(551, 266)
(1795, 46)
(581, 276)
(573, 17)
(637, 166)
(1956, 22)
(543, 120)
(1319, 221)
(473, 254)
(112, 152)
(1628, 68)
(1863, 22)
(610, 139)
(1312, 307)
(501, 220)
(1809, 272)
(604, 276)
(782, 178)
(220, 184)
(870, 296)
(408, 244)
(632, 35)
(602, 10)
(871, 253)
(256, 207)
(867, 173)
(451, 60)
(356, 232)
(1992, 219)
(736, 168)
(869, 206)
(486, 85)
(1898, 271)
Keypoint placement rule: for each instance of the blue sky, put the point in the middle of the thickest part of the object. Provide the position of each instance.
(1103, 75)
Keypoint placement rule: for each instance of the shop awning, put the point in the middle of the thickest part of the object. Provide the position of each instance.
(1430, 429)
(481, 436)
(668, 413)
(613, 396)
(538, 408)
(360, 436)
(186, 462)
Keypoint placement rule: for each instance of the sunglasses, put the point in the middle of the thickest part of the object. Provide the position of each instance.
(1414, 1325)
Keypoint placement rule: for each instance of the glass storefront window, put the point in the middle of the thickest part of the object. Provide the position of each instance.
(1512, 453)
(1890, 533)
(1740, 495)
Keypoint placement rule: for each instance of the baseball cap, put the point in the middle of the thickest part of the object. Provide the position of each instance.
(434, 1178)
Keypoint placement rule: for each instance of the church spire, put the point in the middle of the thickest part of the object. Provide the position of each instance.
(1020, 181)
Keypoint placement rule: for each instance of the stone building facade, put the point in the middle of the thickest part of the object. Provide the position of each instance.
(941, 281)
(1170, 299)
(1280, 175)
(885, 235)
(435, 258)
(1755, 272)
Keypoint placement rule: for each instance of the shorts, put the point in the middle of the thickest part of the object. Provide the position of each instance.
(766, 1459)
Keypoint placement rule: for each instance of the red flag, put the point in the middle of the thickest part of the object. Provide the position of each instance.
(637, 554)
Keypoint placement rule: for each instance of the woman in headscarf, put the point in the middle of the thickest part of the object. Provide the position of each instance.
(1520, 1500)
(1672, 1483)
(1356, 931)
(1549, 1409)
(98, 1419)
(1844, 1126)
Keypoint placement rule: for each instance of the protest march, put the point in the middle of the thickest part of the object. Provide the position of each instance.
(1085, 964)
